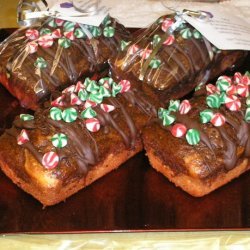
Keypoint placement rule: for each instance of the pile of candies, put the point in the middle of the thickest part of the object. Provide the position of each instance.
(84, 97)
(227, 91)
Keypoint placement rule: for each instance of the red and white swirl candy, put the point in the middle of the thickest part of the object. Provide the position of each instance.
(74, 99)
(233, 103)
(79, 86)
(185, 107)
(212, 89)
(178, 130)
(126, 85)
(23, 137)
(92, 124)
(170, 40)
(144, 54)
(133, 49)
(107, 108)
(45, 41)
(32, 47)
(243, 90)
(166, 24)
(237, 77)
(50, 160)
(58, 102)
(56, 33)
(218, 120)
(89, 103)
(69, 89)
(32, 34)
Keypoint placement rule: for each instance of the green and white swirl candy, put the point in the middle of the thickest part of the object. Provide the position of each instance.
(161, 112)
(223, 97)
(96, 31)
(248, 101)
(68, 26)
(109, 31)
(156, 40)
(247, 115)
(78, 33)
(59, 140)
(124, 44)
(168, 119)
(83, 94)
(40, 63)
(186, 33)
(55, 114)
(104, 92)
(96, 97)
(116, 89)
(223, 83)
(106, 21)
(69, 115)
(193, 136)
(206, 115)
(92, 87)
(45, 31)
(155, 63)
(64, 42)
(52, 23)
(213, 101)
(104, 80)
(26, 117)
(174, 105)
(197, 34)
(88, 113)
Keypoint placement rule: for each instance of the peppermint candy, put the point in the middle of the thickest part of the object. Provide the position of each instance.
(56, 33)
(96, 31)
(92, 124)
(233, 103)
(193, 136)
(32, 34)
(133, 49)
(170, 40)
(64, 42)
(89, 103)
(104, 92)
(109, 31)
(40, 63)
(247, 115)
(144, 54)
(69, 89)
(166, 24)
(91, 86)
(83, 94)
(116, 89)
(50, 160)
(197, 34)
(185, 107)
(155, 63)
(168, 119)
(74, 99)
(243, 90)
(69, 115)
(245, 80)
(126, 85)
(58, 102)
(32, 47)
(161, 112)
(174, 105)
(96, 97)
(23, 137)
(78, 33)
(70, 35)
(223, 83)
(178, 130)
(223, 97)
(156, 40)
(45, 31)
(26, 117)
(107, 108)
(218, 120)
(212, 89)
(124, 44)
(79, 86)
(59, 22)
(213, 101)
(59, 140)
(107, 82)
(45, 41)
(68, 26)
(52, 23)
(55, 114)
(186, 33)
(88, 113)
(206, 115)
(232, 90)
(237, 77)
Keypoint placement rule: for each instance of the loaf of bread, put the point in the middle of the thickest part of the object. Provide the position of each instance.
(203, 143)
(87, 131)
(172, 58)
(35, 61)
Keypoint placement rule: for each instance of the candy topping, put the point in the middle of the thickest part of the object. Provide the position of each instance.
(126, 85)
(64, 42)
(223, 83)
(233, 103)
(88, 113)
(32, 34)
(155, 63)
(107, 108)
(45, 41)
(174, 105)
(178, 130)
(218, 120)
(206, 115)
(92, 124)
(213, 101)
(109, 31)
(56, 114)
(22, 137)
(40, 63)
(50, 160)
(185, 107)
(166, 24)
(59, 140)
(69, 115)
(26, 117)
(193, 136)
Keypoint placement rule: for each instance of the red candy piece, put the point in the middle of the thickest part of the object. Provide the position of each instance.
(107, 107)
(32, 34)
(79, 86)
(170, 40)
(133, 49)
(218, 120)
(233, 103)
(92, 124)
(212, 89)
(22, 137)
(89, 103)
(50, 160)
(69, 35)
(58, 102)
(74, 99)
(232, 90)
(243, 90)
(32, 47)
(178, 130)
(237, 77)
(45, 41)
(166, 24)
(59, 22)
(144, 54)
(56, 33)
(185, 107)
(245, 80)
(69, 89)
(126, 85)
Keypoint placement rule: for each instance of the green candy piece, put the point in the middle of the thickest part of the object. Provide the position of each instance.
(64, 42)
(68, 26)
(106, 21)
(174, 105)
(116, 89)
(26, 117)
(109, 31)
(92, 87)
(124, 44)
(86, 82)
(69, 115)
(247, 73)
(222, 84)
(96, 31)
(40, 63)
(108, 80)
(155, 63)
(88, 113)
(83, 95)
(78, 33)
(199, 86)
(193, 136)
(59, 140)
(186, 33)
(52, 23)
(104, 92)
(248, 101)
(206, 115)
(162, 112)
(45, 31)
(56, 114)
(197, 34)
(247, 115)
(168, 119)
(156, 40)
(96, 97)
(223, 97)
(213, 101)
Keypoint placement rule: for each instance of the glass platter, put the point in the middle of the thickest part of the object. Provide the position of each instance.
(132, 198)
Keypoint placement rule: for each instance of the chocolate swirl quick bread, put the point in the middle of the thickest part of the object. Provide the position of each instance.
(37, 60)
(87, 131)
(203, 143)
(172, 58)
